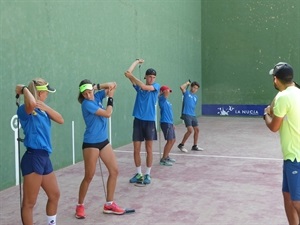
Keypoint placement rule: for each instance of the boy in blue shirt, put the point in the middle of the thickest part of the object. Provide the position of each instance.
(189, 116)
(166, 124)
(144, 114)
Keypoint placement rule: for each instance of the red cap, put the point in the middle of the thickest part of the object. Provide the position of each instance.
(163, 88)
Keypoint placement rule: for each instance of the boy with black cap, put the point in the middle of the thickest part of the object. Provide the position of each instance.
(285, 118)
(144, 113)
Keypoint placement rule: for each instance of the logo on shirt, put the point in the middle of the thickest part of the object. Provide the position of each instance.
(295, 172)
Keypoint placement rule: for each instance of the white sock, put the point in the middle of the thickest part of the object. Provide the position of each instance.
(139, 169)
(109, 203)
(148, 170)
(51, 220)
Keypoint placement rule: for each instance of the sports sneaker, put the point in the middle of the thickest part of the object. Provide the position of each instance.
(113, 209)
(147, 179)
(182, 148)
(171, 159)
(138, 177)
(80, 212)
(196, 148)
(165, 162)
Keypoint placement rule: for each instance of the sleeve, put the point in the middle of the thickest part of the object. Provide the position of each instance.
(90, 107)
(22, 113)
(281, 106)
(156, 87)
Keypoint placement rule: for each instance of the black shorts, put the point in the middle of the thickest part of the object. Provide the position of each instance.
(99, 145)
(168, 130)
(144, 130)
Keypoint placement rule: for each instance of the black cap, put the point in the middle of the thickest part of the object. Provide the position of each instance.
(150, 72)
(282, 71)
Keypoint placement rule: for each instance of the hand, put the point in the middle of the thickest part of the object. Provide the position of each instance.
(41, 105)
(19, 89)
(113, 85)
(111, 92)
(140, 61)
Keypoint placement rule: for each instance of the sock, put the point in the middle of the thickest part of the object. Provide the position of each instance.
(109, 203)
(51, 220)
(148, 170)
(139, 169)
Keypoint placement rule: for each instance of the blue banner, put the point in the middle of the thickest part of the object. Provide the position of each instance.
(233, 110)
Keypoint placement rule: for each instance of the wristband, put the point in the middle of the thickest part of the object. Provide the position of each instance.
(98, 86)
(22, 90)
(110, 101)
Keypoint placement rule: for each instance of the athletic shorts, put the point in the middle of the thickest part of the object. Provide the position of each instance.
(291, 179)
(99, 145)
(144, 130)
(168, 130)
(36, 161)
(190, 120)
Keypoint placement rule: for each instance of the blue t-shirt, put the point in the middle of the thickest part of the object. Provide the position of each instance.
(166, 113)
(189, 103)
(36, 127)
(145, 101)
(96, 126)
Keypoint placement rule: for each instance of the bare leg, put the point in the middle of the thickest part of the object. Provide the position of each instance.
(31, 186)
(290, 210)
(196, 135)
(168, 147)
(90, 157)
(137, 153)
(109, 159)
(50, 186)
(149, 157)
(187, 134)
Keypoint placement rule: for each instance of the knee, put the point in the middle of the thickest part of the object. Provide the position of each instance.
(54, 196)
(29, 204)
(189, 131)
(114, 172)
(88, 178)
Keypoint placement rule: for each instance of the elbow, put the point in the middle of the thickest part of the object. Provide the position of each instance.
(61, 121)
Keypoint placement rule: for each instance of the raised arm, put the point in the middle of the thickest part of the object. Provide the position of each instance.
(29, 100)
(54, 115)
(184, 86)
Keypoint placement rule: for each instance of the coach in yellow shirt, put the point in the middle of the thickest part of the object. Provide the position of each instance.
(285, 117)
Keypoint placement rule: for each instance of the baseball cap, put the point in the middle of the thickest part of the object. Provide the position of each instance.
(163, 88)
(282, 71)
(45, 87)
(150, 71)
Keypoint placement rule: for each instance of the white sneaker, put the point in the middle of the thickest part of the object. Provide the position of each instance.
(196, 148)
(182, 148)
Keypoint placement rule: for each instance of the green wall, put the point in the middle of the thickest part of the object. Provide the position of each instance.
(241, 41)
(67, 41)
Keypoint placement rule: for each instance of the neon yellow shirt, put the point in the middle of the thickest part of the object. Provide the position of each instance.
(287, 105)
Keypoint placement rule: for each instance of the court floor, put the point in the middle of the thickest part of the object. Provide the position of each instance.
(236, 180)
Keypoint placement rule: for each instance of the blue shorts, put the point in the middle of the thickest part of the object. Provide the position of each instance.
(291, 179)
(168, 130)
(99, 145)
(36, 161)
(144, 130)
(190, 120)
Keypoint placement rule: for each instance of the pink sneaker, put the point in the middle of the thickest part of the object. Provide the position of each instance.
(113, 209)
(80, 212)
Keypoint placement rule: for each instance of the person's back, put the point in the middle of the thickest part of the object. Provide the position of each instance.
(287, 104)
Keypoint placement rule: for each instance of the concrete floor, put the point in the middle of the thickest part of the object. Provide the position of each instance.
(236, 180)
